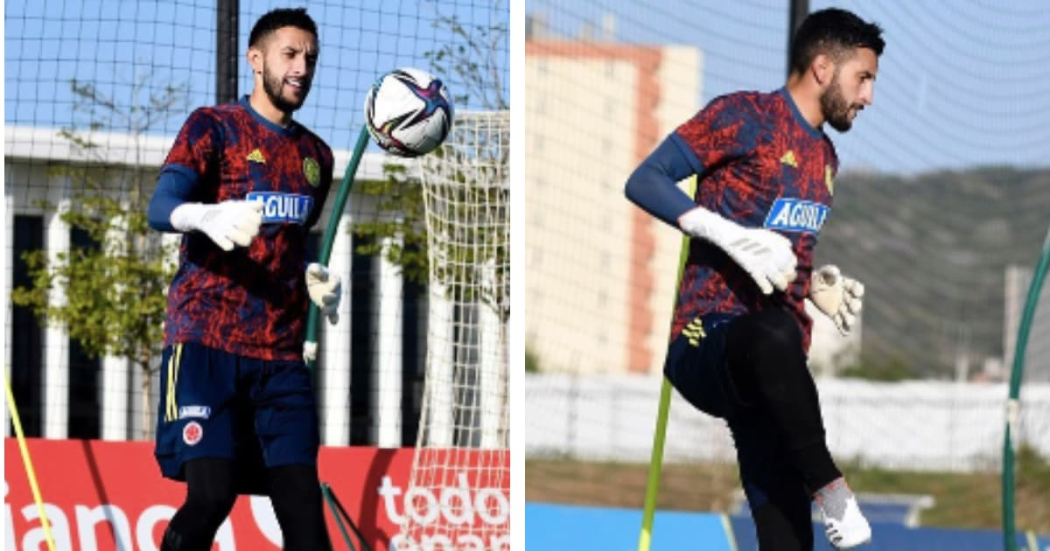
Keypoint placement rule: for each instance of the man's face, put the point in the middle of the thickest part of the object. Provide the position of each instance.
(851, 89)
(289, 57)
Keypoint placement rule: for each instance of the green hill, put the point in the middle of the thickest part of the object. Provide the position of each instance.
(932, 252)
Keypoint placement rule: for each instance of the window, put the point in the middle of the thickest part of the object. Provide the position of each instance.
(85, 392)
(27, 346)
(362, 337)
(413, 358)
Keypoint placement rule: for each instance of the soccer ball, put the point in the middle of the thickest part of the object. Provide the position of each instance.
(408, 112)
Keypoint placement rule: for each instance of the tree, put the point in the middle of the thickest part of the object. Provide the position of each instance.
(399, 205)
(114, 294)
(475, 58)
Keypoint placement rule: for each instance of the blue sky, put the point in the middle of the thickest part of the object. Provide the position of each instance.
(961, 83)
(112, 43)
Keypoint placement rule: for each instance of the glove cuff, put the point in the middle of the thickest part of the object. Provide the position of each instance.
(185, 216)
(320, 269)
(704, 224)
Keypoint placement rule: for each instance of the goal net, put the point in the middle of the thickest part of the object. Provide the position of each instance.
(458, 494)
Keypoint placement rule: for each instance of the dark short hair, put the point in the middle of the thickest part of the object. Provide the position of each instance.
(835, 33)
(280, 18)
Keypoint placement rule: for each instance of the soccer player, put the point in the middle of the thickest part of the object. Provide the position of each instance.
(740, 336)
(244, 182)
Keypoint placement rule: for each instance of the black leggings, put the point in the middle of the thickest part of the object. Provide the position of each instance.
(210, 495)
(780, 439)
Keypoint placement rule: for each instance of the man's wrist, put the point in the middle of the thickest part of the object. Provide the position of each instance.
(697, 222)
(184, 217)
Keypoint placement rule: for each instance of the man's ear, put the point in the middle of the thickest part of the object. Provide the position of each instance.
(255, 59)
(822, 69)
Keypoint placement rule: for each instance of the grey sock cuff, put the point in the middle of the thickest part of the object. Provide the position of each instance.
(832, 498)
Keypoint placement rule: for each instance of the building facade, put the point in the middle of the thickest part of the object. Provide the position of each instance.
(600, 273)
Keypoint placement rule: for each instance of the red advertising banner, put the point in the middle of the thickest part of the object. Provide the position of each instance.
(110, 495)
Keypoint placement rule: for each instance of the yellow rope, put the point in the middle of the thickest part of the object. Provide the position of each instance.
(28, 463)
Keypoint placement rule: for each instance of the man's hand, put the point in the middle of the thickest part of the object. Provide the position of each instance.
(766, 256)
(326, 290)
(228, 223)
(839, 297)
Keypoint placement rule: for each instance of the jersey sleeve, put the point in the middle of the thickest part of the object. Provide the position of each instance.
(725, 130)
(653, 185)
(198, 146)
(174, 188)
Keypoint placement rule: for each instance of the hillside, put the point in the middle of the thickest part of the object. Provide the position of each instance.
(932, 251)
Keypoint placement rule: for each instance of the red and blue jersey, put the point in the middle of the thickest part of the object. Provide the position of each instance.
(762, 165)
(251, 301)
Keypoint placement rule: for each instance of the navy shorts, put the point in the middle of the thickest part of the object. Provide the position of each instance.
(698, 368)
(214, 404)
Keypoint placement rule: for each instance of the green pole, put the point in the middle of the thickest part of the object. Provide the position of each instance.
(313, 316)
(346, 516)
(652, 485)
(1013, 405)
(330, 500)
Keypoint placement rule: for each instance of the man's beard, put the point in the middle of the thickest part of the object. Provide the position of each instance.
(835, 107)
(272, 85)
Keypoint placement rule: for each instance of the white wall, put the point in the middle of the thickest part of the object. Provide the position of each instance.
(918, 425)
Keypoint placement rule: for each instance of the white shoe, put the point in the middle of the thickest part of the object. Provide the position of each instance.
(849, 531)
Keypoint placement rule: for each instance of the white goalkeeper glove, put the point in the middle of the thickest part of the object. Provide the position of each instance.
(766, 256)
(838, 296)
(326, 290)
(227, 223)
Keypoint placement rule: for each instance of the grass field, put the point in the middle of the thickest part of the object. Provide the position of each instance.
(961, 500)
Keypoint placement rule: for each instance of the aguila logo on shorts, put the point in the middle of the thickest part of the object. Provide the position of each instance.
(192, 433)
(796, 215)
(283, 207)
(191, 412)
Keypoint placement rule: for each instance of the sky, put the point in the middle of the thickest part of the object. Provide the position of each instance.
(114, 43)
(961, 83)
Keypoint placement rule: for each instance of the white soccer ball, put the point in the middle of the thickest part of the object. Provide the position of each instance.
(408, 112)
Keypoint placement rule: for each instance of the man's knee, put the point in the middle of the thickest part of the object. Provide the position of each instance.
(297, 502)
(209, 489)
(300, 482)
(209, 497)
(210, 506)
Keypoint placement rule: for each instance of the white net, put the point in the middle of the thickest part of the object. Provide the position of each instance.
(458, 495)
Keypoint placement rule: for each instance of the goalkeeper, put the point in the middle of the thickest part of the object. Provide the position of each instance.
(244, 183)
(741, 334)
